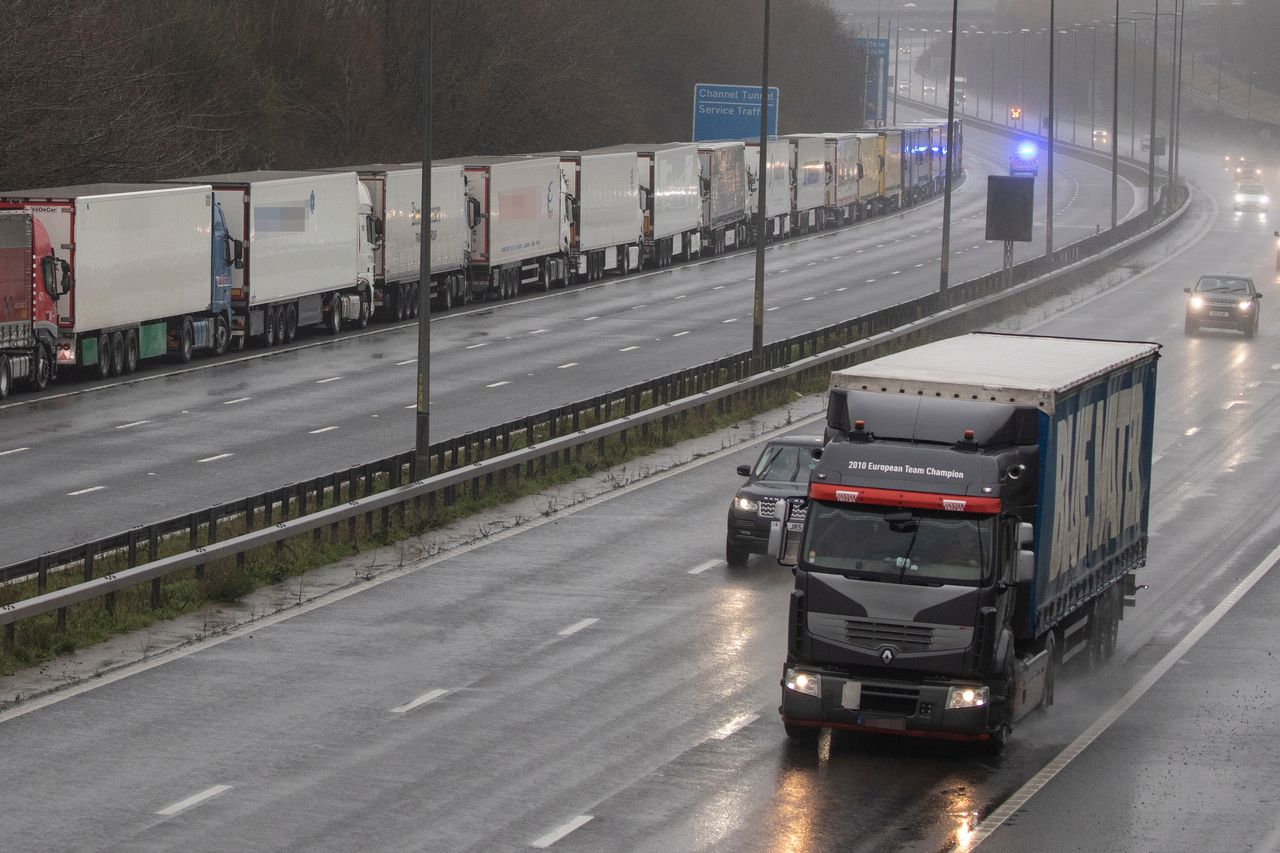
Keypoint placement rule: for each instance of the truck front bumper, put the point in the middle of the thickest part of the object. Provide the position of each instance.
(910, 708)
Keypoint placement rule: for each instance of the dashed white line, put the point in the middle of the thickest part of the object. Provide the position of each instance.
(567, 365)
(681, 296)
(561, 831)
(406, 361)
(1192, 431)
(86, 491)
(774, 308)
(221, 456)
(498, 384)
(537, 331)
(680, 334)
(236, 400)
(870, 281)
(330, 379)
(429, 696)
(808, 299)
(194, 800)
(709, 564)
(592, 317)
(896, 272)
(132, 424)
(841, 289)
(15, 450)
(811, 264)
(919, 265)
(1235, 403)
(730, 320)
(718, 287)
(327, 429)
(476, 346)
(628, 349)
(739, 722)
(578, 626)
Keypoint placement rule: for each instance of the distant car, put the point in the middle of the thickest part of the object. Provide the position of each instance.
(1101, 136)
(904, 88)
(1223, 301)
(1246, 170)
(781, 472)
(928, 88)
(1251, 196)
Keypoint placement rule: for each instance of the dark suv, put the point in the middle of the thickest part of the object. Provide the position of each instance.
(781, 472)
(1223, 301)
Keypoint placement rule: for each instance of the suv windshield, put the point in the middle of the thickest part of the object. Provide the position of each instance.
(1213, 284)
(901, 546)
(780, 462)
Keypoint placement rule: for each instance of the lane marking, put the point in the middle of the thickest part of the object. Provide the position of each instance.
(406, 361)
(537, 331)
(841, 289)
(702, 567)
(679, 334)
(429, 696)
(730, 320)
(681, 296)
(567, 365)
(718, 287)
(327, 429)
(476, 346)
(15, 450)
(628, 349)
(561, 831)
(330, 379)
(236, 400)
(412, 406)
(194, 800)
(592, 317)
(870, 280)
(1020, 797)
(498, 384)
(132, 424)
(774, 308)
(896, 272)
(1192, 431)
(86, 491)
(220, 456)
(737, 723)
(1235, 403)
(578, 626)
(808, 299)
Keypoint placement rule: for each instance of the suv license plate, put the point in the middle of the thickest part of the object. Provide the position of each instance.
(1219, 313)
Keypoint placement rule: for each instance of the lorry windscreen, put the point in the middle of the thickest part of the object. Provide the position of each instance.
(891, 544)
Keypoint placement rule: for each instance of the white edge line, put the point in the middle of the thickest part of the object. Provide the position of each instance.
(429, 696)
(578, 626)
(406, 361)
(15, 450)
(330, 379)
(1033, 785)
(330, 428)
(216, 458)
(561, 831)
(193, 800)
(236, 400)
(709, 564)
(132, 424)
(86, 491)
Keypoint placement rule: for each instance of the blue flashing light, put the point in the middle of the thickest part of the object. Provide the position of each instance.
(1027, 150)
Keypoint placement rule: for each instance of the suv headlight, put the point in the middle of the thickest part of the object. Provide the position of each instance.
(967, 697)
(1239, 198)
(1196, 303)
(1245, 304)
(746, 504)
(806, 682)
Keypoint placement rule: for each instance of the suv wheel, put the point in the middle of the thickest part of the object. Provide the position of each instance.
(736, 557)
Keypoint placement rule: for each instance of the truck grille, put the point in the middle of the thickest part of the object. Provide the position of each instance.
(869, 634)
(882, 699)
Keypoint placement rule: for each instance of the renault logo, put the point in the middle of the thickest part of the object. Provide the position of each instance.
(887, 656)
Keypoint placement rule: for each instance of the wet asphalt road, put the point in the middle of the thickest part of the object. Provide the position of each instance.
(600, 681)
(89, 461)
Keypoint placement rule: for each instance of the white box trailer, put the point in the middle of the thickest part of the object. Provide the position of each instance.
(777, 183)
(842, 176)
(308, 251)
(870, 165)
(891, 174)
(606, 225)
(724, 194)
(670, 199)
(808, 180)
(139, 260)
(395, 196)
(520, 233)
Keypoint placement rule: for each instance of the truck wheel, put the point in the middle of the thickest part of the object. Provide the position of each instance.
(366, 308)
(117, 354)
(186, 341)
(624, 261)
(401, 309)
(290, 328)
(801, 734)
(270, 318)
(334, 320)
(103, 367)
(130, 360)
(736, 557)
(6, 377)
(446, 296)
(42, 371)
(221, 336)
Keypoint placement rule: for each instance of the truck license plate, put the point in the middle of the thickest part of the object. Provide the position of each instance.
(1219, 313)
(851, 695)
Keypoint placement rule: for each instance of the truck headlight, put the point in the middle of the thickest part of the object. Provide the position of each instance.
(1239, 198)
(967, 697)
(746, 504)
(806, 682)
(1196, 303)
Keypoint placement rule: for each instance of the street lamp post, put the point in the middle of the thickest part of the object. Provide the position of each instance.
(762, 219)
(1075, 82)
(1048, 224)
(944, 266)
(422, 416)
(1115, 120)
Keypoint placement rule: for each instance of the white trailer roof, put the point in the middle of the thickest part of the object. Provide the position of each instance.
(1023, 369)
(87, 190)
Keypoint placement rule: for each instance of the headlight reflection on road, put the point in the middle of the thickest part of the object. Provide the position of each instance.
(966, 821)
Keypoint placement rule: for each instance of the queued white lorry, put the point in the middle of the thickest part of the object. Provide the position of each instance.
(777, 184)
(870, 165)
(137, 271)
(842, 177)
(808, 181)
(670, 199)
(520, 228)
(395, 194)
(602, 201)
(724, 195)
(308, 251)
(890, 189)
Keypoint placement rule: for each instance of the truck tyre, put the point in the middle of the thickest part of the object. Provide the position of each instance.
(334, 321)
(400, 308)
(801, 734)
(221, 336)
(736, 557)
(103, 367)
(446, 295)
(289, 330)
(414, 295)
(270, 318)
(1004, 707)
(42, 370)
(6, 377)
(129, 362)
(366, 308)
(117, 354)
(186, 341)
(624, 261)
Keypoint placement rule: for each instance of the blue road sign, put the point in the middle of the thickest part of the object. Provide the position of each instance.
(877, 79)
(722, 111)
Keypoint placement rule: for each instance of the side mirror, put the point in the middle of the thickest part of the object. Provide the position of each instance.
(1257, 296)
(1026, 534)
(744, 470)
(49, 275)
(1026, 567)
(67, 282)
(1186, 290)
(473, 211)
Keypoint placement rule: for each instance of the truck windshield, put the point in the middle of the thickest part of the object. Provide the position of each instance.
(896, 545)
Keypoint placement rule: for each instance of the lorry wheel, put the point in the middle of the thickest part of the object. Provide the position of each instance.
(624, 261)
(130, 361)
(801, 734)
(42, 371)
(366, 307)
(1111, 637)
(221, 336)
(446, 297)
(6, 377)
(401, 309)
(186, 341)
(117, 354)
(103, 367)
(270, 318)
(334, 320)
(736, 557)
(290, 328)
(414, 295)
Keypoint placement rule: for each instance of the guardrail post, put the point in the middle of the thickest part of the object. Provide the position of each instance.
(88, 562)
(42, 573)
(528, 442)
(155, 593)
(10, 631)
(153, 543)
(131, 542)
(109, 603)
(62, 619)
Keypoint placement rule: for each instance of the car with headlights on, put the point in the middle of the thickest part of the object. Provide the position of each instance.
(1251, 196)
(781, 472)
(1101, 136)
(1223, 301)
